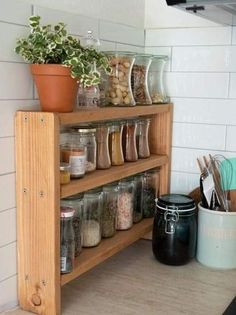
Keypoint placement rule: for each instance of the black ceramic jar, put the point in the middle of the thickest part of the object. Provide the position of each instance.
(174, 229)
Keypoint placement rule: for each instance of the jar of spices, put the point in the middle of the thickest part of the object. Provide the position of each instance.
(142, 141)
(87, 137)
(91, 229)
(124, 218)
(118, 90)
(110, 203)
(103, 156)
(150, 192)
(156, 80)
(139, 79)
(129, 141)
(138, 197)
(74, 153)
(67, 240)
(76, 202)
(115, 143)
(64, 173)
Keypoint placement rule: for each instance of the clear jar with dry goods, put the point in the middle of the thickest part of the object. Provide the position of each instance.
(156, 80)
(139, 79)
(64, 173)
(102, 138)
(118, 90)
(110, 203)
(138, 197)
(150, 192)
(142, 138)
(67, 255)
(124, 218)
(91, 228)
(76, 202)
(129, 141)
(87, 137)
(115, 143)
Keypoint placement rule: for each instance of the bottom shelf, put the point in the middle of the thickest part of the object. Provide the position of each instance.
(90, 257)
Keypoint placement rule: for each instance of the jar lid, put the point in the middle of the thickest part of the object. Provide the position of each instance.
(64, 166)
(67, 212)
(176, 202)
(83, 129)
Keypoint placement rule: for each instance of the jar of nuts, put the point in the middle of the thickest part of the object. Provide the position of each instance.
(118, 90)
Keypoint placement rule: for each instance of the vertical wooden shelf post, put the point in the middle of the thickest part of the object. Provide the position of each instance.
(38, 216)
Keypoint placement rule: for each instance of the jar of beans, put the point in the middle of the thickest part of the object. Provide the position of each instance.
(115, 143)
(124, 218)
(129, 141)
(110, 203)
(76, 202)
(150, 192)
(118, 90)
(142, 138)
(91, 228)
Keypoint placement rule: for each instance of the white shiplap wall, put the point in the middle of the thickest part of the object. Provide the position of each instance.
(201, 80)
(16, 92)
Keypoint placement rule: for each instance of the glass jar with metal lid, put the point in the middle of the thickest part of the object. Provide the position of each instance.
(115, 143)
(129, 140)
(87, 137)
(139, 79)
(76, 202)
(102, 138)
(118, 90)
(150, 192)
(91, 228)
(142, 137)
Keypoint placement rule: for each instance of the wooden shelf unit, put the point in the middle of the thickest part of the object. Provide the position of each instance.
(39, 192)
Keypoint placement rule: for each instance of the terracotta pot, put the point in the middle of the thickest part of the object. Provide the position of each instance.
(56, 88)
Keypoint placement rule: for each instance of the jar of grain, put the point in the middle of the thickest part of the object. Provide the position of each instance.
(102, 134)
(142, 140)
(129, 140)
(150, 192)
(110, 202)
(115, 143)
(139, 79)
(124, 218)
(64, 173)
(91, 228)
(118, 90)
(156, 81)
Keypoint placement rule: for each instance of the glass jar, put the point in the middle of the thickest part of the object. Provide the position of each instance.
(124, 218)
(129, 141)
(74, 153)
(67, 240)
(87, 138)
(76, 202)
(156, 80)
(103, 156)
(64, 173)
(139, 79)
(110, 203)
(91, 228)
(115, 143)
(118, 90)
(150, 192)
(142, 141)
(88, 97)
(138, 197)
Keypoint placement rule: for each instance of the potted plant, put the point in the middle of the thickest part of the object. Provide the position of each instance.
(58, 61)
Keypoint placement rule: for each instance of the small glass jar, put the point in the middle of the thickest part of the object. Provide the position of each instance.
(67, 240)
(150, 192)
(87, 137)
(118, 90)
(103, 156)
(110, 203)
(138, 198)
(91, 228)
(129, 141)
(64, 173)
(76, 202)
(115, 143)
(139, 79)
(156, 80)
(124, 218)
(88, 97)
(142, 141)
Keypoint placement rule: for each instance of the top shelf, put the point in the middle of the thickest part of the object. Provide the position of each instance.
(106, 113)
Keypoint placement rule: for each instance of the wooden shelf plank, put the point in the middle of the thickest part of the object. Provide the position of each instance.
(101, 177)
(91, 257)
(106, 113)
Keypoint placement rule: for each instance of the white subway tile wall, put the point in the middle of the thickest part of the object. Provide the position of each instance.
(17, 92)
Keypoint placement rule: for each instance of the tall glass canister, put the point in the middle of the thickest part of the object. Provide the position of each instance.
(150, 192)
(102, 138)
(138, 197)
(129, 140)
(156, 80)
(118, 91)
(115, 143)
(142, 138)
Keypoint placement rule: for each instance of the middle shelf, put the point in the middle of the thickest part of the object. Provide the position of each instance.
(102, 177)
